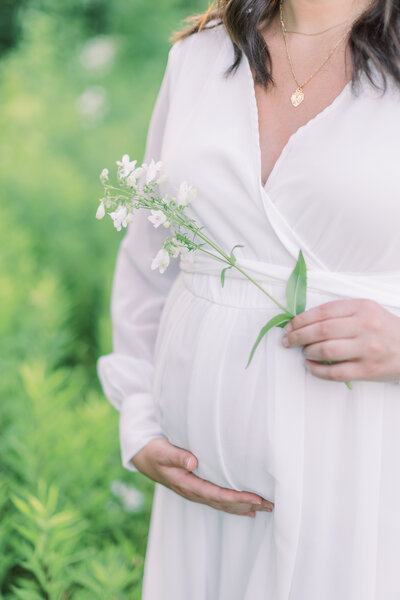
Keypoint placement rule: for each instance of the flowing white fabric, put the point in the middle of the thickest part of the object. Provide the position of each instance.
(326, 455)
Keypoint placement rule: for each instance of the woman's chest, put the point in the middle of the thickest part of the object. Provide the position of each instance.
(278, 119)
(334, 179)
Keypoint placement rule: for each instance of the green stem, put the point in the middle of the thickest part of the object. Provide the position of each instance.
(125, 193)
(228, 260)
(206, 239)
(214, 256)
(285, 310)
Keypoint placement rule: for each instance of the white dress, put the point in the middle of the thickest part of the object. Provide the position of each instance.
(327, 456)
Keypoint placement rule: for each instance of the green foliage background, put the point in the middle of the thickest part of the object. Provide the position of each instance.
(63, 533)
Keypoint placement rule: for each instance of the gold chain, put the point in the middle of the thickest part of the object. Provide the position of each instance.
(317, 32)
(324, 30)
(298, 96)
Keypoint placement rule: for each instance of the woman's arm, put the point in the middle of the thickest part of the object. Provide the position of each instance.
(138, 295)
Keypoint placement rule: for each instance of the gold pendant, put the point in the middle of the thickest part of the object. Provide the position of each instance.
(297, 97)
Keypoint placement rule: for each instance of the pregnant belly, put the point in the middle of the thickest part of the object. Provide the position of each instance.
(206, 400)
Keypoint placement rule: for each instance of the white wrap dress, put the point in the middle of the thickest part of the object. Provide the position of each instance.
(327, 456)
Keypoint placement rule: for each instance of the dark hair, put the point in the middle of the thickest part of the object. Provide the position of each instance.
(375, 35)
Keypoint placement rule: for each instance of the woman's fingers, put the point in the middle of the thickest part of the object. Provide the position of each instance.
(334, 350)
(220, 497)
(346, 327)
(171, 466)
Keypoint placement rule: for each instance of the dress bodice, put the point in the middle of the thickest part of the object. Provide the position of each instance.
(335, 183)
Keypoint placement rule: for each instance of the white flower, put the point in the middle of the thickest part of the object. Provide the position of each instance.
(101, 211)
(98, 53)
(126, 166)
(161, 260)
(131, 498)
(134, 176)
(104, 176)
(119, 217)
(92, 105)
(166, 224)
(157, 217)
(186, 194)
(152, 170)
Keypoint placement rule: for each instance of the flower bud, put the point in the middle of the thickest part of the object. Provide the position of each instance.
(100, 211)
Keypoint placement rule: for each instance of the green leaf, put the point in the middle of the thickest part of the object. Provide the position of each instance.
(22, 594)
(296, 287)
(223, 275)
(277, 321)
(21, 505)
(232, 257)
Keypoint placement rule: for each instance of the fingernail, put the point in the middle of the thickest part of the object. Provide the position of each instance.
(285, 341)
(288, 327)
(190, 463)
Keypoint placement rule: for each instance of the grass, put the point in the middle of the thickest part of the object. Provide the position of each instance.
(65, 534)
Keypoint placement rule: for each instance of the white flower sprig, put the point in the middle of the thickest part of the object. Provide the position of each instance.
(120, 202)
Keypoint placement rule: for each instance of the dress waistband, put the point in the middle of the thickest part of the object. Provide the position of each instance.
(383, 288)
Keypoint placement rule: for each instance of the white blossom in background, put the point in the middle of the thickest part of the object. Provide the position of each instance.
(92, 105)
(104, 176)
(98, 53)
(161, 260)
(131, 498)
(186, 194)
(157, 217)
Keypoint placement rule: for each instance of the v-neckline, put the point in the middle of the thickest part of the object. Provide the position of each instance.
(299, 131)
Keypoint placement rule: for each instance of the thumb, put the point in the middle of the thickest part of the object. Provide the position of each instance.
(184, 459)
(190, 461)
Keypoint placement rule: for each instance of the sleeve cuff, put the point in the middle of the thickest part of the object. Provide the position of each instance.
(138, 425)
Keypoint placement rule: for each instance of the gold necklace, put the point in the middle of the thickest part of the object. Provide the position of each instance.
(298, 96)
(324, 30)
(317, 32)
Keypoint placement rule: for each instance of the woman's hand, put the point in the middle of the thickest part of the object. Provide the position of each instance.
(170, 465)
(359, 335)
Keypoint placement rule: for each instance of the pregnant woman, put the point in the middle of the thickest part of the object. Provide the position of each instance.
(275, 482)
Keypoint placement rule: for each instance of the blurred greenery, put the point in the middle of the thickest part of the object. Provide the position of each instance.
(78, 80)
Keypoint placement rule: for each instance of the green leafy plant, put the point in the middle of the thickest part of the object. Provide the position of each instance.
(48, 542)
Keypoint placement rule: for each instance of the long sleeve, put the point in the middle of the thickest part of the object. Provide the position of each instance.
(137, 299)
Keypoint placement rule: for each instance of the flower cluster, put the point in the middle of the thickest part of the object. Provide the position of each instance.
(137, 188)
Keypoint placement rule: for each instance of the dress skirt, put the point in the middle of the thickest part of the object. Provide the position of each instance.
(327, 456)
